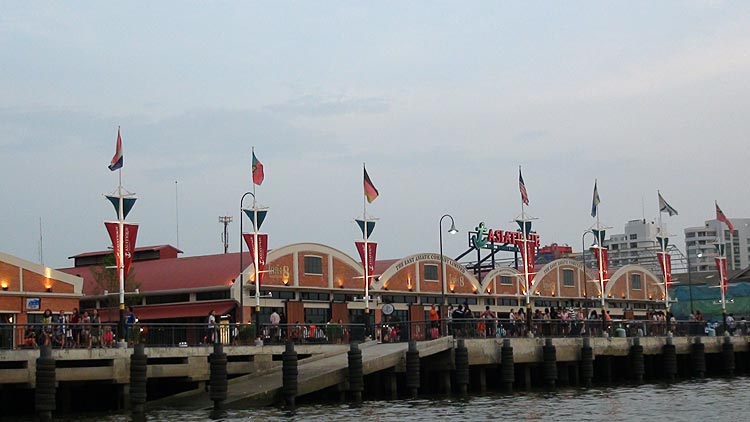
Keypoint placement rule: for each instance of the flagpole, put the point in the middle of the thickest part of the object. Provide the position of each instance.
(367, 266)
(600, 251)
(120, 253)
(525, 257)
(253, 176)
(663, 247)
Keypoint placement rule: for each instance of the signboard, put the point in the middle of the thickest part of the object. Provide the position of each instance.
(33, 303)
(486, 236)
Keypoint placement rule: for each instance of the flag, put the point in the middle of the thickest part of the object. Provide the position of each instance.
(370, 191)
(664, 207)
(522, 187)
(257, 170)
(595, 201)
(723, 218)
(116, 162)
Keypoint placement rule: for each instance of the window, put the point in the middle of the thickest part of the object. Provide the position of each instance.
(316, 315)
(633, 236)
(569, 278)
(313, 265)
(430, 299)
(430, 272)
(691, 234)
(215, 295)
(635, 282)
(314, 296)
(506, 279)
(633, 244)
(489, 301)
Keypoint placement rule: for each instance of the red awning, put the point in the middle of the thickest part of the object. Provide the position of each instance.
(175, 310)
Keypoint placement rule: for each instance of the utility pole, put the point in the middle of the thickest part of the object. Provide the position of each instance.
(225, 220)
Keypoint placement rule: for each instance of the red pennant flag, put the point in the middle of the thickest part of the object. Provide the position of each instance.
(723, 218)
(128, 243)
(262, 250)
(116, 162)
(665, 262)
(602, 259)
(258, 174)
(721, 264)
(371, 252)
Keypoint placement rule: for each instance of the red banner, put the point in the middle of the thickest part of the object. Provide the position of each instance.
(721, 264)
(371, 250)
(602, 260)
(128, 242)
(262, 250)
(665, 262)
(530, 252)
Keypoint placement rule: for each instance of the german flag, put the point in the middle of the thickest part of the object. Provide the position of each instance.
(370, 191)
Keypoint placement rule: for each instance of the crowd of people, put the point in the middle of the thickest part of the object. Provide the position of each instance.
(73, 330)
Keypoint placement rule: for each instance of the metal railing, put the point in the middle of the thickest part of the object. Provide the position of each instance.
(69, 335)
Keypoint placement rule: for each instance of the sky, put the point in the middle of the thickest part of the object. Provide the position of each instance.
(443, 100)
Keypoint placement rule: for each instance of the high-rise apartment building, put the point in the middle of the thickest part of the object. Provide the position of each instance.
(638, 245)
(700, 244)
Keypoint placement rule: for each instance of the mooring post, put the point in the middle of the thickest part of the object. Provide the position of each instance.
(698, 357)
(549, 364)
(727, 354)
(356, 376)
(289, 373)
(669, 360)
(138, 368)
(218, 381)
(44, 396)
(462, 367)
(587, 363)
(412, 369)
(507, 372)
(637, 365)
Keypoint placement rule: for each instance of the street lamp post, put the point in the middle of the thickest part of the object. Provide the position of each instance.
(452, 230)
(242, 269)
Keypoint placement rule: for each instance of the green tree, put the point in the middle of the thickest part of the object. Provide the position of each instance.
(107, 278)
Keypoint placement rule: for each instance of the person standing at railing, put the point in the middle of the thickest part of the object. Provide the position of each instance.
(75, 323)
(211, 328)
(46, 327)
(275, 320)
(490, 322)
(96, 329)
(130, 321)
(85, 336)
(434, 322)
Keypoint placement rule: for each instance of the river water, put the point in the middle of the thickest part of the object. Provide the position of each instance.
(701, 400)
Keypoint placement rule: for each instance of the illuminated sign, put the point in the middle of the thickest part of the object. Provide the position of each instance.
(485, 236)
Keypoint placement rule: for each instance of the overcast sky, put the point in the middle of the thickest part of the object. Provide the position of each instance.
(442, 100)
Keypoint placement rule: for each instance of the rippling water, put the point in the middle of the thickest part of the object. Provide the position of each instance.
(713, 399)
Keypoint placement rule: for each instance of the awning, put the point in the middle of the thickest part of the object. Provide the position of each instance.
(174, 310)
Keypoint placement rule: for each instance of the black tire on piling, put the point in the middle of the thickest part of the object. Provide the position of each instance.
(412, 369)
(727, 356)
(44, 395)
(698, 358)
(587, 363)
(289, 374)
(669, 361)
(507, 366)
(356, 373)
(138, 371)
(549, 364)
(637, 365)
(462, 367)
(218, 381)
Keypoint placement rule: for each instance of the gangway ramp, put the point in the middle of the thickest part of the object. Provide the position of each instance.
(328, 372)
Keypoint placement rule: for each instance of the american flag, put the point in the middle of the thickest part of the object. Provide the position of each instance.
(522, 187)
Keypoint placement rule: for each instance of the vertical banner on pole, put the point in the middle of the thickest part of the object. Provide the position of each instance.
(371, 252)
(128, 242)
(665, 262)
(262, 250)
(721, 264)
(602, 260)
(528, 255)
